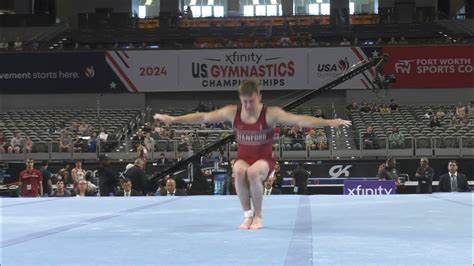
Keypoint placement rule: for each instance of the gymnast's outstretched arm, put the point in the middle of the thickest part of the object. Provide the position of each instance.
(226, 113)
(279, 116)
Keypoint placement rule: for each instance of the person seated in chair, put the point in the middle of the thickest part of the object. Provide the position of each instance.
(127, 190)
(268, 187)
(170, 189)
(453, 181)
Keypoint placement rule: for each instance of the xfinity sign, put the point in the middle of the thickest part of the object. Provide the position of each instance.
(369, 187)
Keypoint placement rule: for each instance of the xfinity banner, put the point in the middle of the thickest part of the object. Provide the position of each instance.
(226, 69)
(49, 72)
(369, 187)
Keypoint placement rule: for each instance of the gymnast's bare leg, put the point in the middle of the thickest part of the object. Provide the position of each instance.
(256, 174)
(243, 192)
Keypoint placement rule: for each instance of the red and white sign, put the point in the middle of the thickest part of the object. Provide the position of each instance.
(145, 71)
(447, 66)
(226, 69)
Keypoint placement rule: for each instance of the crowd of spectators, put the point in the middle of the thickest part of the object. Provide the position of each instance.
(300, 39)
(452, 117)
(375, 107)
(82, 137)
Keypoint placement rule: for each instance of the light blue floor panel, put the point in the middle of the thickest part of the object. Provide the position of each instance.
(299, 230)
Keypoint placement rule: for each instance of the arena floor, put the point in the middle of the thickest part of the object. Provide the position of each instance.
(299, 230)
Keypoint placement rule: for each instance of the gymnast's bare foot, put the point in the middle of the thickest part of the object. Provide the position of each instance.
(256, 223)
(246, 224)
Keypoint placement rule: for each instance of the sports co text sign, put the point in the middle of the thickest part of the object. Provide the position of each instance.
(369, 187)
(437, 66)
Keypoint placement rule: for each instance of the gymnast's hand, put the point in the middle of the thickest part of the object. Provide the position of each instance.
(164, 118)
(339, 122)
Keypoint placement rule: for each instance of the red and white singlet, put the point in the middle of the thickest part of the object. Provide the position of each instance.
(254, 140)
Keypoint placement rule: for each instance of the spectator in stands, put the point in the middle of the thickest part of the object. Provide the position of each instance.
(108, 180)
(453, 181)
(83, 128)
(390, 172)
(30, 181)
(365, 107)
(454, 122)
(162, 160)
(137, 175)
(434, 122)
(149, 142)
(321, 140)
(313, 42)
(374, 108)
(396, 139)
(356, 41)
(403, 40)
(353, 106)
(369, 139)
(18, 45)
(156, 128)
(16, 143)
(92, 142)
(393, 106)
(103, 136)
(60, 190)
(310, 140)
(392, 41)
(345, 42)
(424, 174)
(268, 188)
(379, 41)
(77, 173)
(127, 190)
(79, 145)
(28, 145)
(65, 142)
(147, 128)
(300, 178)
(462, 113)
(179, 158)
(189, 13)
(296, 134)
(384, 109)
(4, 44)
(171, 189)
(3, 143)
(440, 114)
(429, 114)
(284, 41)
(82, 190)
(47, 184)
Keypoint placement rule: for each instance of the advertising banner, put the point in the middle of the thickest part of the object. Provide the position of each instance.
(52, 72)
(437, 66)
(144, 71)
(369, 187)
(334, 169)
(444, 66)
(226, 69)
(326, 64)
